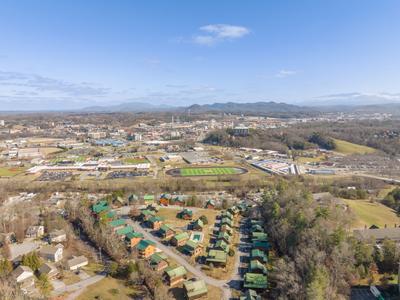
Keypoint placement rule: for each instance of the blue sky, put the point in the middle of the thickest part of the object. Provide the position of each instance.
(71, 54)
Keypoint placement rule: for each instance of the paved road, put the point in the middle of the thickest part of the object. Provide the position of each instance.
(222, 284)
(77, 288)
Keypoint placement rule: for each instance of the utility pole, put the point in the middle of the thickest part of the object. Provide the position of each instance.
(100, 254)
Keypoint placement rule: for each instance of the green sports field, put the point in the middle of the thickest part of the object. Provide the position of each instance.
(214, 171)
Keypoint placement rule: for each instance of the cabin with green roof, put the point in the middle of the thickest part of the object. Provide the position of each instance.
(155, 222)
(122, 232)
(166, 231)
(117, 224)
(146, 248)
(259, 236)
(257, 228)
(146, 214)
(227, 214)
(250, 295)
(256, 267)
(234, 210)
(179, 200)
(158, 261)
(179, 239)
(185, 214)
(225, 237)
(261, 245)
(255, 281)
(192, 248)
(221, 245)
(194, 289)
(197, 225)
(226, 221)
(148, 199)
(100, 207)
(259, 255)
(216, 257)
(133, 238)
(175, 275)
(210, 204)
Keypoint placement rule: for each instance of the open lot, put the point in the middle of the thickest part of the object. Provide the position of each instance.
(11, 171)
(135, 160)
(368, 213)
(350, 148)
(108, 289)
(206, 171)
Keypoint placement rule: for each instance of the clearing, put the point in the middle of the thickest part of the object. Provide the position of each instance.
(350, 148)
(368, 213)
(108, 289)
(11, 171)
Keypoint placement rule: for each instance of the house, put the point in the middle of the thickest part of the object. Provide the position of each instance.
(175, 275)
(255, 281)
(221, 245)
(124, 231)
(35, 232)
(155, 222)
(250, 295)
(77, 262)
(226, 228)
(234, 210)
(257, 228)
(185, 214)
(226, 221)
(179, 200)
(210, 204)
(146, 214)
(259, 255)
(148, 199)
(378, 234)
(216, 257)
(52, 253)
(225, 237)
(256, 267)
(166, 231)
(164, 199)
(117, 224)
(192, 248)
(158, 261)
(261, 245)
(100, 207)
(259, 236)
(146, 248)
(49, 270)
(197, 225)
(24, 277)
(227, 214)
(179, 239)
(57, 236)
(194, 289)
(18, 250)
(133, 238)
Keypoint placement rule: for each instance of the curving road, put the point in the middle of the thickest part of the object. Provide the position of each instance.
(222, 284)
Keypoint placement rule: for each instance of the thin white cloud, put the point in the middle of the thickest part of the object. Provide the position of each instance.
(215, 33)
(285, 73)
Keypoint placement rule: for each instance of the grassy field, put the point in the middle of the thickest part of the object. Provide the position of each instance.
(135, 160)
(212, 171)
(11, 171)
(303, 159)
(108, 289)
(368, 213)
(350, 148)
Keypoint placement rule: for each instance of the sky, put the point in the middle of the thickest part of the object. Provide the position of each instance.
(73, 54)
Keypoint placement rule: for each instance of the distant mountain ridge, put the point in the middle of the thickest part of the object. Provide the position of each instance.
(253, 107)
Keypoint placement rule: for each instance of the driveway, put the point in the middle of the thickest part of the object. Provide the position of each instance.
(77, 288)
